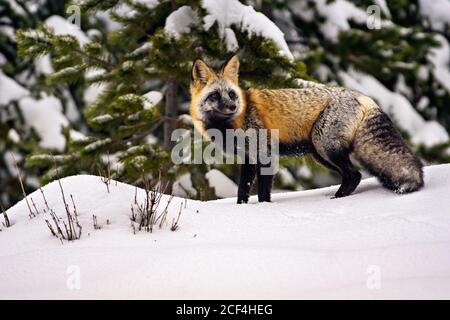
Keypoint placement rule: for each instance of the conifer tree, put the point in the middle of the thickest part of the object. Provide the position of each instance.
(19, 79)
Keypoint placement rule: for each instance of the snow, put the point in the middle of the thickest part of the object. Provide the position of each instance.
(373, 244)
(2, 60)
(102, 118)
(150, 4)
(183, 187)
(61, 26)
(398, 107)
(43, 64)
(10, 90)
(180, 21)
(337, 14)
(383, 6)
(440, 58)
(76, 135)
(224, 187)
(94, 90)
(228, 13)
(47, 118)
(437, 11)
(152, 98)
(286, 177)
(13, 136)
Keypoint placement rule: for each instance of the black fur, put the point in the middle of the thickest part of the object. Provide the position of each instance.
(350, 175)
(298, 148)
(248, 173)
(380, 131)
(264, 184)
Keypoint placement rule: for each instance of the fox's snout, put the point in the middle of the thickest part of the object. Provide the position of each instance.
(225, 108)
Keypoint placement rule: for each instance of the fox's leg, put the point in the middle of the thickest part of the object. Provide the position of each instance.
(350, 175)
(332, 139)
(248, 173)
(323, 162)
(340, 163)
(265, 180)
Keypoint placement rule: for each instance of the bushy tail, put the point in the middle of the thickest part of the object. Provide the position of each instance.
(382, 151)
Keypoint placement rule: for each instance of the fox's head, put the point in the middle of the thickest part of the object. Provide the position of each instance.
(216, 96)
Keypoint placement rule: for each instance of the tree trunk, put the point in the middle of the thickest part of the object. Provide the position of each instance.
(171, 112)
(267, 9)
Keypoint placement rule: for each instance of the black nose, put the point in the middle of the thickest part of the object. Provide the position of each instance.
(232, 107)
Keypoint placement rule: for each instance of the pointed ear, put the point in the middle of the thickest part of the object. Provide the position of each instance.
(230, 69)
(201, 72)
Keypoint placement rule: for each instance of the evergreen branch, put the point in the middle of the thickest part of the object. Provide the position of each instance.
(145, 133)
(107, 65)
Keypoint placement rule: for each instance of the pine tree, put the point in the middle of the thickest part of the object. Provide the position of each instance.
(18, 80)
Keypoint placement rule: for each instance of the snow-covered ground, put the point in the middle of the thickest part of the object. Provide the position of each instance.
(373, 244)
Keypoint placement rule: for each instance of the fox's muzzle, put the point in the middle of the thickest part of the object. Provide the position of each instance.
(225, 108)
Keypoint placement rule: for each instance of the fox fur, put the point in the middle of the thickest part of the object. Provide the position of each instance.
(333, 124)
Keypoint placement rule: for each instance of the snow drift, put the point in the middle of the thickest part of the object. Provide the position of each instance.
(373, 244)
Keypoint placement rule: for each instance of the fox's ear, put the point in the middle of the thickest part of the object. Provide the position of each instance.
(201, 72)
(230, 69)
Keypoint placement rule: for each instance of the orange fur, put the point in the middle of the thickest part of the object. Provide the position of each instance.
(291, 111)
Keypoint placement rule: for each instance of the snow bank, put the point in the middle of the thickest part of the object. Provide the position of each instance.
(398, 107)
(372, 244)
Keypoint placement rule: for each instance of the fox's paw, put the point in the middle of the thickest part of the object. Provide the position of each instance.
(241, 201)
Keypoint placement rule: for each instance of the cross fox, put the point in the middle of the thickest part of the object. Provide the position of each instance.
(333, 124)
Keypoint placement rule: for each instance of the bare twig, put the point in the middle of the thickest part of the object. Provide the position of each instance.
(45, 200)
(24, 194)
(96, 226)
(163, 216)
(175, 222)
(74, 207)
(34, 206)
(7, 223)
(146, 214)
(72, 228)
(106, 178)
(51, 228)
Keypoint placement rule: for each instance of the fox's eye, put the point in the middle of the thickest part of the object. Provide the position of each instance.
(232, 95)
(214, 97)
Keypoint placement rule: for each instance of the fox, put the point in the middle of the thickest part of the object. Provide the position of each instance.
(339, 127)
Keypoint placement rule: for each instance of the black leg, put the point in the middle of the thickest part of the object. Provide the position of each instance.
(350, 176)
(248, 173)
(323, 162)
(264, 183)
